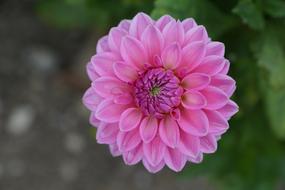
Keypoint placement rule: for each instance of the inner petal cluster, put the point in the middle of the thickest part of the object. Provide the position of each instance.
(157, 92)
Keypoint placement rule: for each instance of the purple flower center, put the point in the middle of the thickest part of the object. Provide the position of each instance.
(157, 92)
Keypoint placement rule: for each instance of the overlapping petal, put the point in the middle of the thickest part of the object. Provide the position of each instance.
(153, 41)
(102, 45)
(196, 81)
(107, 133)
(103, 63)
(130, 119)
(125, 72)
(133, 52)
(174, 159)
(211, 65)
(154, 151)
(194, 122)
(189, 144)
(193, 100)
(215, 97)
(188, 24)
(192, 56)
(109, 112)
(173, 32)
(133, 156)
(215, 48)
(198, 33)
(163, 21)
(129, 140)
(109, 86)
(138, 24)
(91, 99)
(171, 56)
(148, 128)
(169, 132)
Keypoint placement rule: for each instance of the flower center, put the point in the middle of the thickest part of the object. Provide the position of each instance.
(157, 92)
(154, 91)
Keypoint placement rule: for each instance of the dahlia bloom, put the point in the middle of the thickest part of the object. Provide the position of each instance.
(159, 92)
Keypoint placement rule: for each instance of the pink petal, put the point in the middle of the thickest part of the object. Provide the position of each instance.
(192, 55)
(194, 122)
(171, 56)
(125, 25)
(115, 38)
(93, 120)
(198, 33)
(126, 98)
(109, 86)
(163, 21)
(154, 151)
(211, 65)
(169, 131)
(175, 114)
(133, 156)
(174, 159)
(107, 133)
(139, 23)
(153, 41)
(225, 83)
(128, 140)
(133, 52)
(125, 72)
(153, 169)
(102, 45)
(208, 144)
(215, 97)
(157, 61)
(148, 128)
(195, 81)
(91, 72)
(197, 159)
(230, 109)
(91, 99)
(109, 112)
(189, 144)
(114, 149)
(193, 100)
(215, 48)
(103, 63)
(130, 119)
(217, 123)
(188, 24)
(226, 68)
(173, 32)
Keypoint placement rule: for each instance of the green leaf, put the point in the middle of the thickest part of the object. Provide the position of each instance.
(271, 59)
(203, 11)
(250, 14)
(275, 104)
(275, 8)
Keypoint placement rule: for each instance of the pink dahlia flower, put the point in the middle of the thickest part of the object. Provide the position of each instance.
(160, 92)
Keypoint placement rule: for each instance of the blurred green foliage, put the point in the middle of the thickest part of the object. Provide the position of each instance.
(252, 154)
(99, 14)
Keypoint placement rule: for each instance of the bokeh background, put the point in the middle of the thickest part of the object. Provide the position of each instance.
(46, 142)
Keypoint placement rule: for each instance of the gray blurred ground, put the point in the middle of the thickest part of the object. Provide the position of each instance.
(45, 138)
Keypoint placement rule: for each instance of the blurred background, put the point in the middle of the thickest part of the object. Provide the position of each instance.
(46, 142)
